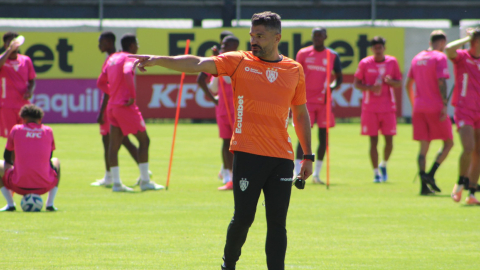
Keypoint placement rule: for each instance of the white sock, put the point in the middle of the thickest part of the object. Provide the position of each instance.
(227, 176)
(51, 196)
(383, 164)
(298, 166)
(116, 175)
(108, 176)
(318, 167)
(376, 171)
(8, 196)
(144, 176)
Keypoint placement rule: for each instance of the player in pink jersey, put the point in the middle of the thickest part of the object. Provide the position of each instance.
(466, 99)
(202, 80)
(17, 79)
(377, 76)
(430, 120)
(117, 80)
(35, 171)
(314, 61)
(106, 44)
(223, 88)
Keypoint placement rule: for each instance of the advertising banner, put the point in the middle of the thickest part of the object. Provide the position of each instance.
(68, 100)
(352, 44)
(58, 55)
(156, 98)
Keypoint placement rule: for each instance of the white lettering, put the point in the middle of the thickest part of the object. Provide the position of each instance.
(238, 129)
(81, 103)
(62, 107)
(201, 101)
(33, 135)
(66, 103)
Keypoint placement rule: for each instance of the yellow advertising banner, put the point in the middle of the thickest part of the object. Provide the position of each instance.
(352, 44)
(57, 55)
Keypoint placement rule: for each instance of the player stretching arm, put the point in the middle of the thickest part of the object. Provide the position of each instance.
(263, 152)
(466, 99)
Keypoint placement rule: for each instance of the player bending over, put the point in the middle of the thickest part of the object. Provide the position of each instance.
(266, 85)
(117, 80)
(17, 80)
(35, 171)
(377, 76)
(106, 44)
(314, 61)
(429, 72)
(466, 99)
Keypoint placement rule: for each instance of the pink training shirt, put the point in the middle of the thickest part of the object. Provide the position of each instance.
(426, 68)
(221, 108)
(467, 81)
(14, 77)
(315, 67)
(33, 145)
(117, 79)
(370, 73)
(103, 85)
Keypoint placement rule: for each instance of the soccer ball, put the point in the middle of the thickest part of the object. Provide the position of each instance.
(31, 203)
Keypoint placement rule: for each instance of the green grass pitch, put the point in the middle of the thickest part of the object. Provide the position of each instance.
(354, 225)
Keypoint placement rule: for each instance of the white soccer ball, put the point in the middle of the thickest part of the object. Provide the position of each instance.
(31, 203)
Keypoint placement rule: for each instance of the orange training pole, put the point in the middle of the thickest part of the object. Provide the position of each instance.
(329, 108)
(179, 101)
(220, 80)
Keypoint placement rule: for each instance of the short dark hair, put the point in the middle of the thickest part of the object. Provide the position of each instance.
(31, 111)
(437, 35)
(319, 29)
(378, 40)
(127, 40)
(108, 35)
(225, 33)
(9, 35)
(231, 38)
(269, 19)
(476, 33)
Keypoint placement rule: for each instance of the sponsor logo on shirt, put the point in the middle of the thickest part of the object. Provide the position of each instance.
(238, 129)
(253, 70)
(272, 74)
(244, 184)
(35, 135)
(316, 68)
(310, 60)
(286, 179)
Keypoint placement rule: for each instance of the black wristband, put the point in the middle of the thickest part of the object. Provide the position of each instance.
(309, 157)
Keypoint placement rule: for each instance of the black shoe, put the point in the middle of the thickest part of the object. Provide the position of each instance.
(225, 268)
(51, 208)
(425, 190)
(8, 209)
(431, 181)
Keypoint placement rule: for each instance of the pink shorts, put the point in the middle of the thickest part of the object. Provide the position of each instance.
(318, 114)
(372, 122)
(8, 178)
(128, 119)
(428, 127)
(105, 127)
(10, 118)
(466, 117)
(224, 127)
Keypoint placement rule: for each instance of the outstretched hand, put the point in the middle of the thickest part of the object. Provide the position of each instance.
(142, 61)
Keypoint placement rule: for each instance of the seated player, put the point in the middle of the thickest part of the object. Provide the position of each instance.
(35, 170)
